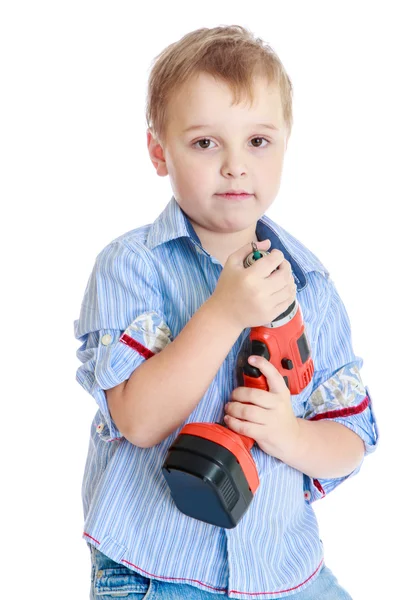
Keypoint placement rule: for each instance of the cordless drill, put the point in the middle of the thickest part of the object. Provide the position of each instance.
(209, 469)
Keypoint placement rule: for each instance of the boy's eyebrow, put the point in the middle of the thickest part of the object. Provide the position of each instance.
(266, 125)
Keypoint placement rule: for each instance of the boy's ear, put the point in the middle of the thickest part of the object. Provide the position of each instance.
(156, 153)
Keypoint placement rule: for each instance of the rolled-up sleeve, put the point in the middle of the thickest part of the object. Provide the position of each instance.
(338, 392)
(121, 324)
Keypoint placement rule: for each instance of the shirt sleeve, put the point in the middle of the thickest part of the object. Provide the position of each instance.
(121, 324)
(338, 393)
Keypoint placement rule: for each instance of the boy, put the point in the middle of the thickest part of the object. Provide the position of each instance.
(165, 312)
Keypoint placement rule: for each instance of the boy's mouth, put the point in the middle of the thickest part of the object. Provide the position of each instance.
(235, 191)
(235, 196)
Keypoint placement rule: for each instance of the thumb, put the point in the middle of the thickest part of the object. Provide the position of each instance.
(240, 255)
(276, 383)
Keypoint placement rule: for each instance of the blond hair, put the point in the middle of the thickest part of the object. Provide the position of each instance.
(229, 53)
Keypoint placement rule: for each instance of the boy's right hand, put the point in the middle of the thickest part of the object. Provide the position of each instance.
(255, 295)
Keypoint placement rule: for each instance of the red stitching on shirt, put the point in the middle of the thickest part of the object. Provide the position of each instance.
(126, 339)
(210, 586)
(280, 591)
(224, 589)
(319, 486)
(342, 412)
(181, 578)
(92, 538)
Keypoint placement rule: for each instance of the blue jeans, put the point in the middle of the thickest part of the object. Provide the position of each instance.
(112, 580)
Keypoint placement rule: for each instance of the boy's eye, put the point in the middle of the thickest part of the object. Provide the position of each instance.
(258, 138)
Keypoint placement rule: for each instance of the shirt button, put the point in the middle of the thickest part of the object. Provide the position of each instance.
(99, 574)
(106, 339)
(100, 427)
(307, 495)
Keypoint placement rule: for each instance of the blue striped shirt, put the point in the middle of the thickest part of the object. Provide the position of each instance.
(144, 287)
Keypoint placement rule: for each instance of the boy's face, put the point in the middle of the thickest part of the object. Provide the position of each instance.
(234, 156)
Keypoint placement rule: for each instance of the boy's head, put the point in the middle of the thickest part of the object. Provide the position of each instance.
(230, 82)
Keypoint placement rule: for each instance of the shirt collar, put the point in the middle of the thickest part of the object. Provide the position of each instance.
(173, 223)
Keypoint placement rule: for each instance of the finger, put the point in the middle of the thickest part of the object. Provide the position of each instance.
(276, 383)
(247, 412)
(269, 264)
(251, 430)
(255, 396)
(241, 254)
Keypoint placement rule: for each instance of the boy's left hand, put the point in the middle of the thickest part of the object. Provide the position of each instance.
(268, 418)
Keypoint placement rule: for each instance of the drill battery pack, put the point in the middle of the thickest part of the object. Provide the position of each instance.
(211, 478)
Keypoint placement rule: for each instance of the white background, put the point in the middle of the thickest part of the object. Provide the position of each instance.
(75, 174)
